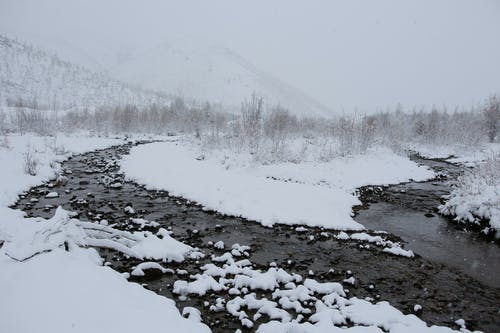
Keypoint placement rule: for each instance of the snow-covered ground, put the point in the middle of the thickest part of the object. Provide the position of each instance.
(52, 281)
(309, 193)
(477, 195)
(59, 290)
(461, 155)
(36, 76)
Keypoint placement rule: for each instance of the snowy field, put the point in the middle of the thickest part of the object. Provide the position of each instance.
(309, 193)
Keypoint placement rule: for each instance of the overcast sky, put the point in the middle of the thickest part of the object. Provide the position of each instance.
(346, 54)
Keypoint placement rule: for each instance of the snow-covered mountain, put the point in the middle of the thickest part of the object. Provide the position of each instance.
(194, 69)
(36, 76)
(205, 72)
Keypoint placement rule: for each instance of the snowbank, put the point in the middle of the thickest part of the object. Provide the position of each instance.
(59, 290)
(313, 194)
(477, 195)
(71, 292)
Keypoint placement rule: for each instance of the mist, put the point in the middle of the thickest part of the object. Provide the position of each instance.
(346, 55)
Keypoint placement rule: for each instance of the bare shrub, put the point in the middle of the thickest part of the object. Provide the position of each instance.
(4, 142)
(492, 117)
(3, 121)
(251, 120)
(278, 126)
(32, 120)
(30, 162)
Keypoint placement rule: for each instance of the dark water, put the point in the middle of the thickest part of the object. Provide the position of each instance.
(409, 211)
(445, 293)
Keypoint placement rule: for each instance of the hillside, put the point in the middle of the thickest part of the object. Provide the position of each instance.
(43, 79)
(205, 72)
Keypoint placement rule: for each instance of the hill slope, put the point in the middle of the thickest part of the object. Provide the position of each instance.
(40, 78)
(204, 72)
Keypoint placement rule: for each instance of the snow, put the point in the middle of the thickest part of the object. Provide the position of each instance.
(144, 223)
(52, 277)
(61, 290)
(33, 74)
(129, 210)
(71, 292)
(219, 245)
(199, 286)
(326, 302)
(45, 150)
(206, 72)
(399, 251)
(456, 154)
(477, 195)
(321, 194)
(139, 269)
(52, 195)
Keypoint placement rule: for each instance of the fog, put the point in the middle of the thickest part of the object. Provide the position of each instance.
(353, 54)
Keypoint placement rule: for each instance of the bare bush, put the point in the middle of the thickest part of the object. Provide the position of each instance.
(30, 162)
(251, 120)
(32, 120)
(278, 126)
(267, 134)
(4, 142)
(492, 117)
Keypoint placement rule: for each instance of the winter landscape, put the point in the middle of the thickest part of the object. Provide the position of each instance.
(324, 166)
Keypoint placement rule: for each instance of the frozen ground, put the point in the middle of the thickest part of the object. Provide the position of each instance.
(309, 193)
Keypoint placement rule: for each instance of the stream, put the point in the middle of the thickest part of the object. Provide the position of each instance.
(409, 210)
(437, 278)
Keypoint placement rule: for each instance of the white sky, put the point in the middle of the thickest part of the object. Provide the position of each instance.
(346, 54)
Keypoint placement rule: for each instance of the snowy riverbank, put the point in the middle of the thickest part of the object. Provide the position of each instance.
(62, 291)
(308, 193)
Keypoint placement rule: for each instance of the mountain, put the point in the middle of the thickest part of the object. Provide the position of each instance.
(204, 72)
(194, 69)
(41, 78)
